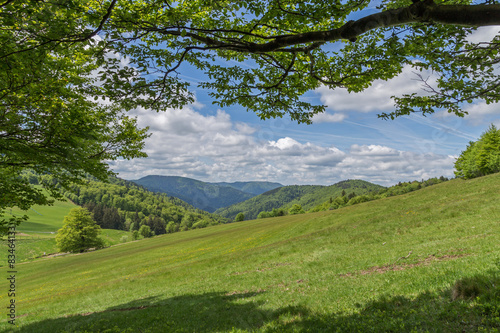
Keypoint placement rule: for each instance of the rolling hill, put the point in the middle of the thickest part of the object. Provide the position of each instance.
(202, 195)
(285, 197)
(414, 262)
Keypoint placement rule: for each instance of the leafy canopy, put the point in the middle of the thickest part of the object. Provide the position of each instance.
(54, 118)
(79, 232)
(263, 55)
(70, 70)
(266, 55)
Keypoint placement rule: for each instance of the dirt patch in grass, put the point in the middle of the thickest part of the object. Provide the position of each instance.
(402, 266)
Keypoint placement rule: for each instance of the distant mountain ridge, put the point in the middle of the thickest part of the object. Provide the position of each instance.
(308, 196)
(204, 195)
(255, 187)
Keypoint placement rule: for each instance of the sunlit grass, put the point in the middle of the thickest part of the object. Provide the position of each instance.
(386, 265)
(42, 220)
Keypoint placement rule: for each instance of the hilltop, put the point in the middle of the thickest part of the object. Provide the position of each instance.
(203, 195)
(410, 262)
(308, 196)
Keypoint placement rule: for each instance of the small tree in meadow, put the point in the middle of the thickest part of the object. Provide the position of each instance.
(79, 232)
(240, 217)
(145, 231)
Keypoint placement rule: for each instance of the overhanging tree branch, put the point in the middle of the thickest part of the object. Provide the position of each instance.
(419, 12)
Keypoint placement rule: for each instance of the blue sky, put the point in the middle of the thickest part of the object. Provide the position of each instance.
(349, 141)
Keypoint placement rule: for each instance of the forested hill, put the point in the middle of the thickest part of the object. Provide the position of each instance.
(202, 195)
(121, 204)
(308, 196)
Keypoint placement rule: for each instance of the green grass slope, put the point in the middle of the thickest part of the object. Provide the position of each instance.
(410, 263)
(43, 220)
(308, 196)
(37, 235)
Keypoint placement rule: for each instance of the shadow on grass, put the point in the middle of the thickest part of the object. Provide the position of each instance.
(209, 312)
(219, 312)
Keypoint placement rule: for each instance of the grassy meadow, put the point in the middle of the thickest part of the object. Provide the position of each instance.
(427, 261)
(36, 236)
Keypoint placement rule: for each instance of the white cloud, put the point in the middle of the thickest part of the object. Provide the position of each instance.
(484, 34)
(326, 117)
(215, 148)
(480, 112)
(284, 143)
(378, 96)
(385, 165)
(372, 150)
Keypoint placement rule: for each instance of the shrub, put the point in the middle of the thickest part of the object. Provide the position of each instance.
(358, 199)
(200, 224)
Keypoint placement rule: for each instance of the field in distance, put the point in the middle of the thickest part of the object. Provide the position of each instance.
(414, 262)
